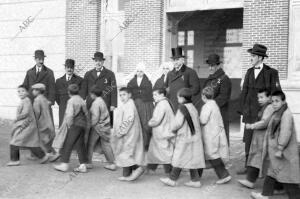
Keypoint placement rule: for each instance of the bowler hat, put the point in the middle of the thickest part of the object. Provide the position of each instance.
(39, 54)
(39, 86)
(177, 53)
(213, 59)
(258, 49)
(69, 63)
(98, 56)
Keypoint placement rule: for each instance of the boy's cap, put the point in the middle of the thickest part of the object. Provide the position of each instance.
(39, 86)
(73, 88)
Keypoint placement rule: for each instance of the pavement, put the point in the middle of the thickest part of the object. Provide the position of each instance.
(32, 180)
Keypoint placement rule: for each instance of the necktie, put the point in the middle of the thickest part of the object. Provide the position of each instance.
(38, 71)
(69, 78)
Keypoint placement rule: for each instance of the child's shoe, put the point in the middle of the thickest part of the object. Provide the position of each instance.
(168, 182)
(258, 196)
(224, 180)
(53, 157)
(196, 184)
(81, 169)
(246, 183)
(136, 174)
(62, 167)
(44, 159)
(111, 167)
(89, 165)
(122, 178)
(13, 163)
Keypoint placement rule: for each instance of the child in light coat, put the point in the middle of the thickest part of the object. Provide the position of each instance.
(127, 138)
(161, 147)
(25, 132)
(188, 152)
(214, 136)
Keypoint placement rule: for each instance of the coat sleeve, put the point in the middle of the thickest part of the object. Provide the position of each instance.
(178, 121)
(84, 86)
(80, 84)
(286, 130)
(51, 88)
(244, 92)
(263, 123)
(225, 92)
(275, 83)
(158, 116)
(127, 122)
(26, 81)
(24, 112)
(205, 114)
(37, 109)
(56, 91)
(194, 82)
(114, 94)
(69, 114)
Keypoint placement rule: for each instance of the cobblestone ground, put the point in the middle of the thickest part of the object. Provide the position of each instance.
(32, 180)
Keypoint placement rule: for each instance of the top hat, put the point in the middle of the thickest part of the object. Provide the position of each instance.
(177, 53)
(39, 86)
(69, 63)
(39, 54)
(98, 56)
(213, 59)
(258, 49)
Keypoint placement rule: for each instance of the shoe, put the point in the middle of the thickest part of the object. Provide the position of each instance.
(224, 180)
(89, 166)
(44, 159)
(122, 178)
(62, 167)
(111, 167)
(256, 195)
(242, 171)
(13, 163)
(196, 184)
(81, 169)
(246, 183)
(136, 174)
(168, 182)
(54, 157)
(279, 192)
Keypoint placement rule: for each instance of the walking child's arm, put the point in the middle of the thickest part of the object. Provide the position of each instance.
(286, 128)
(37, 109)
(178, 121)
(69, 114)
(127, 122)
(263, 123)
(158, 115)
(205, 115)
(24, 112)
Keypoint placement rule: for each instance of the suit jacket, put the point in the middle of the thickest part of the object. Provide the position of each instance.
(184, 78)
(144, 91)
(266, 79)
(46, 77)
(61, 91)
(106, 81)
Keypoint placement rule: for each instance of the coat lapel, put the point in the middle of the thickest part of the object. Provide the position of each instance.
(103, 73)
(94, 74)
(179, 73)
(42, 74)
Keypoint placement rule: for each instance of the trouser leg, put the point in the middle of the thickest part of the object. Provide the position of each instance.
(200, 172)
(248, 133)
(292, 190)
(107, 150)
(167, 168)
(268, 187)
(38, 152)
(92, 141)
(219, 168)
(152, 167)
(127, 171)
(80, 147)
(194, 175)
(174, 175)
(14, 153)
(252, 174)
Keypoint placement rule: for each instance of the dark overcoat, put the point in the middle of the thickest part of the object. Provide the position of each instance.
(221, 84)
(106, 82)
(61, 91)
(160, 83)
(184, 78)
(45, 77)
(144, 91)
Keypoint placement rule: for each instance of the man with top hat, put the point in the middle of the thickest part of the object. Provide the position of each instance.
(103, 79)
(221, 85)
(259, 77)
(61, 87)
(41, 74)
(181, 77)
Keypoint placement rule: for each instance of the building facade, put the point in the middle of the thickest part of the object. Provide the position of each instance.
(133, 31)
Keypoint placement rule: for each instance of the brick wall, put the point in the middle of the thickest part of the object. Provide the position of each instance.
(143, 36)
(266, 22)
(82, 32)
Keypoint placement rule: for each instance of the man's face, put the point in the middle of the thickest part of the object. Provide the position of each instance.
(99, 64)
(124, 96)
(262, 98)
(178, 62)
(39, 61)
(255, 59)
(69, 71)
(22, 93)
(212, 68)
(277, 102)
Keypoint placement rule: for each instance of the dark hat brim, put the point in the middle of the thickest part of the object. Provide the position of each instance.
(250, 50)
(174, 57)
(94, 58)
(208, 62)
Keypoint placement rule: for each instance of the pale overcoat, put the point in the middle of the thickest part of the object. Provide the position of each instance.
(256, 147)
(127, 138)
(161, 147)
(188, 152)
(287, 168)
(43, 117)
(213, 132)
(24, 132)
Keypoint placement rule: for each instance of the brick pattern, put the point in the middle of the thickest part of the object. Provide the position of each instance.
(143, 36)
(82, 32)
(266, 22)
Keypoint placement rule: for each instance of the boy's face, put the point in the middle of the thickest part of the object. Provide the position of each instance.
(262, 98)
(180, 99)
(277, 102)
(93, 96)
(35, 92)
(124, 96)
(157, 96)
(22, 93)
